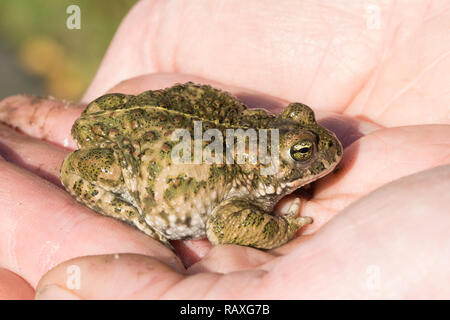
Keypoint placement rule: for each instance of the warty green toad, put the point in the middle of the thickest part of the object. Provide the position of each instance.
(125, 166)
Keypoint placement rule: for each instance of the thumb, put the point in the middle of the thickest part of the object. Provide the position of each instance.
(117, 276)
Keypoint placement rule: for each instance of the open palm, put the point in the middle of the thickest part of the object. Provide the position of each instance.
(377, 76)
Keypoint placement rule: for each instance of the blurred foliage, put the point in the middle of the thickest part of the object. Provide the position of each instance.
(65, 59)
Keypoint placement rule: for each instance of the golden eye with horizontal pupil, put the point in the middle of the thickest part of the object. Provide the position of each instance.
(302, 150)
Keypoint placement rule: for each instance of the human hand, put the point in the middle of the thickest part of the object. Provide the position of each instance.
(362, 97)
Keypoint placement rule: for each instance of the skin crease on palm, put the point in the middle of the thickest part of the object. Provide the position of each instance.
(383, 90)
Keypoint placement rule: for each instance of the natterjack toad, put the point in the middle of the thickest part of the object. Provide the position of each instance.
(136, 163)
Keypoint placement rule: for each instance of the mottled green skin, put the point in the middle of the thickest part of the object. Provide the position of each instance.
(123, 167)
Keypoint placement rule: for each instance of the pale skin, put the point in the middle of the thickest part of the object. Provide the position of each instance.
(383, 214)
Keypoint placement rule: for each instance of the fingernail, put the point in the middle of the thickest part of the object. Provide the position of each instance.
(290, 208)
(54, 292)
(295, 206)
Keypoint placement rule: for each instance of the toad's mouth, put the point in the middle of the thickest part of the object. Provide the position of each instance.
(297, 184)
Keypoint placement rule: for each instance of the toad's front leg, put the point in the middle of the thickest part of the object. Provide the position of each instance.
(237, 221)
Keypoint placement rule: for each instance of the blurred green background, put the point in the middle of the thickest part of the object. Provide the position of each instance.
(40, 55)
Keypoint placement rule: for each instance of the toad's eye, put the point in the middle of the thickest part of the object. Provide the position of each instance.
(302, 150)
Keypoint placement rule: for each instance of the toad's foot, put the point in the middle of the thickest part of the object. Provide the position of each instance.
(236, 221)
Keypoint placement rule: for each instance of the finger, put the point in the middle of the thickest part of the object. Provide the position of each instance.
(40, 157)
(374, 160)
(346, 128)
(321, 54)
(43, 118)
(231, 258)
(139, 277)
(13, 287)
(125, 276)
(191, 251)
(41, 226)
